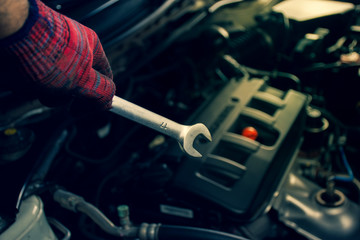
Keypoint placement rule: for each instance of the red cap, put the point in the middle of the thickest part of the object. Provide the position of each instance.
(250, 132)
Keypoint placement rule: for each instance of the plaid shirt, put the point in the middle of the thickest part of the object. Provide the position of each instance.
(61, 56)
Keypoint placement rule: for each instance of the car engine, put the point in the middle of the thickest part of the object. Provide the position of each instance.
(275, 82)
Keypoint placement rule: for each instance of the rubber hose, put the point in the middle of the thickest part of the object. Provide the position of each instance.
(166, 232)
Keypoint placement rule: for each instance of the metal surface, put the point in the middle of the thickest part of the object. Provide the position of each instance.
(30, 224)
(184, 134)
(299, 209)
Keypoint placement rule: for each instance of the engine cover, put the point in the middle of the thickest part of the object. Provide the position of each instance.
(237, 173)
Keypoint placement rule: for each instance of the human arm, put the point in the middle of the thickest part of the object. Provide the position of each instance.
(13, 15)
(56, 54)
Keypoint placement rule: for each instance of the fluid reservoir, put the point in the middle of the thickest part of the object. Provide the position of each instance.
(15, 143)
(30, 224)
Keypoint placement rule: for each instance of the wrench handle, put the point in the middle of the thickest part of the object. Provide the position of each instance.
(147, 118)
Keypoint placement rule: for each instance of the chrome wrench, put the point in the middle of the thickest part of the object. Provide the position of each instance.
(184, 134)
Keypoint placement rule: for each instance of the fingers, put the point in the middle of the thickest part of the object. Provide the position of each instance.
(82, 69)
(99, 87)
(63, 59)
(100, 61)
(94, 68)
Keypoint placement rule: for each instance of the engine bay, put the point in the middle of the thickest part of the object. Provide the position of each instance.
(277, 84)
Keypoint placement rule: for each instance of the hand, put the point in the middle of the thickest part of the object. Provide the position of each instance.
(62, 57)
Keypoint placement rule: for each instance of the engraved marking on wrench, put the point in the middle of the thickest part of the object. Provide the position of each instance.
(163, 125)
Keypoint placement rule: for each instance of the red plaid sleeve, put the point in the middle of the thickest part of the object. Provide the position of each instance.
(63, 57)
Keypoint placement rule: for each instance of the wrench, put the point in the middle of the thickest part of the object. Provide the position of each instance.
(184, 134)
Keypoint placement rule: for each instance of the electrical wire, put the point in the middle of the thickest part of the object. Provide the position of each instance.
(247, 71)
(235, 64)
(275, 74)
(350, 175)
(339, 126)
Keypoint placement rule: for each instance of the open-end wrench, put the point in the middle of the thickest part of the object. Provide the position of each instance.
(184, 134)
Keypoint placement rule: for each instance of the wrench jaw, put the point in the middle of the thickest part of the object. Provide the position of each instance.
(188, 138)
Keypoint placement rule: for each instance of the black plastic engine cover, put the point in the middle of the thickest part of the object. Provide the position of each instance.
(237, 173)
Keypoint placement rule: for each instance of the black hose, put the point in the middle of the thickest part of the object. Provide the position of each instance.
(43, 163)
(145, 22)
(166, 232)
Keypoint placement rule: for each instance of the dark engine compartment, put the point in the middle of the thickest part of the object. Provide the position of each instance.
(235, 66)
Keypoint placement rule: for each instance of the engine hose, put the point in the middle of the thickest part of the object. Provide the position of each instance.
(76, 203)
(166, 232)
(146, 231)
